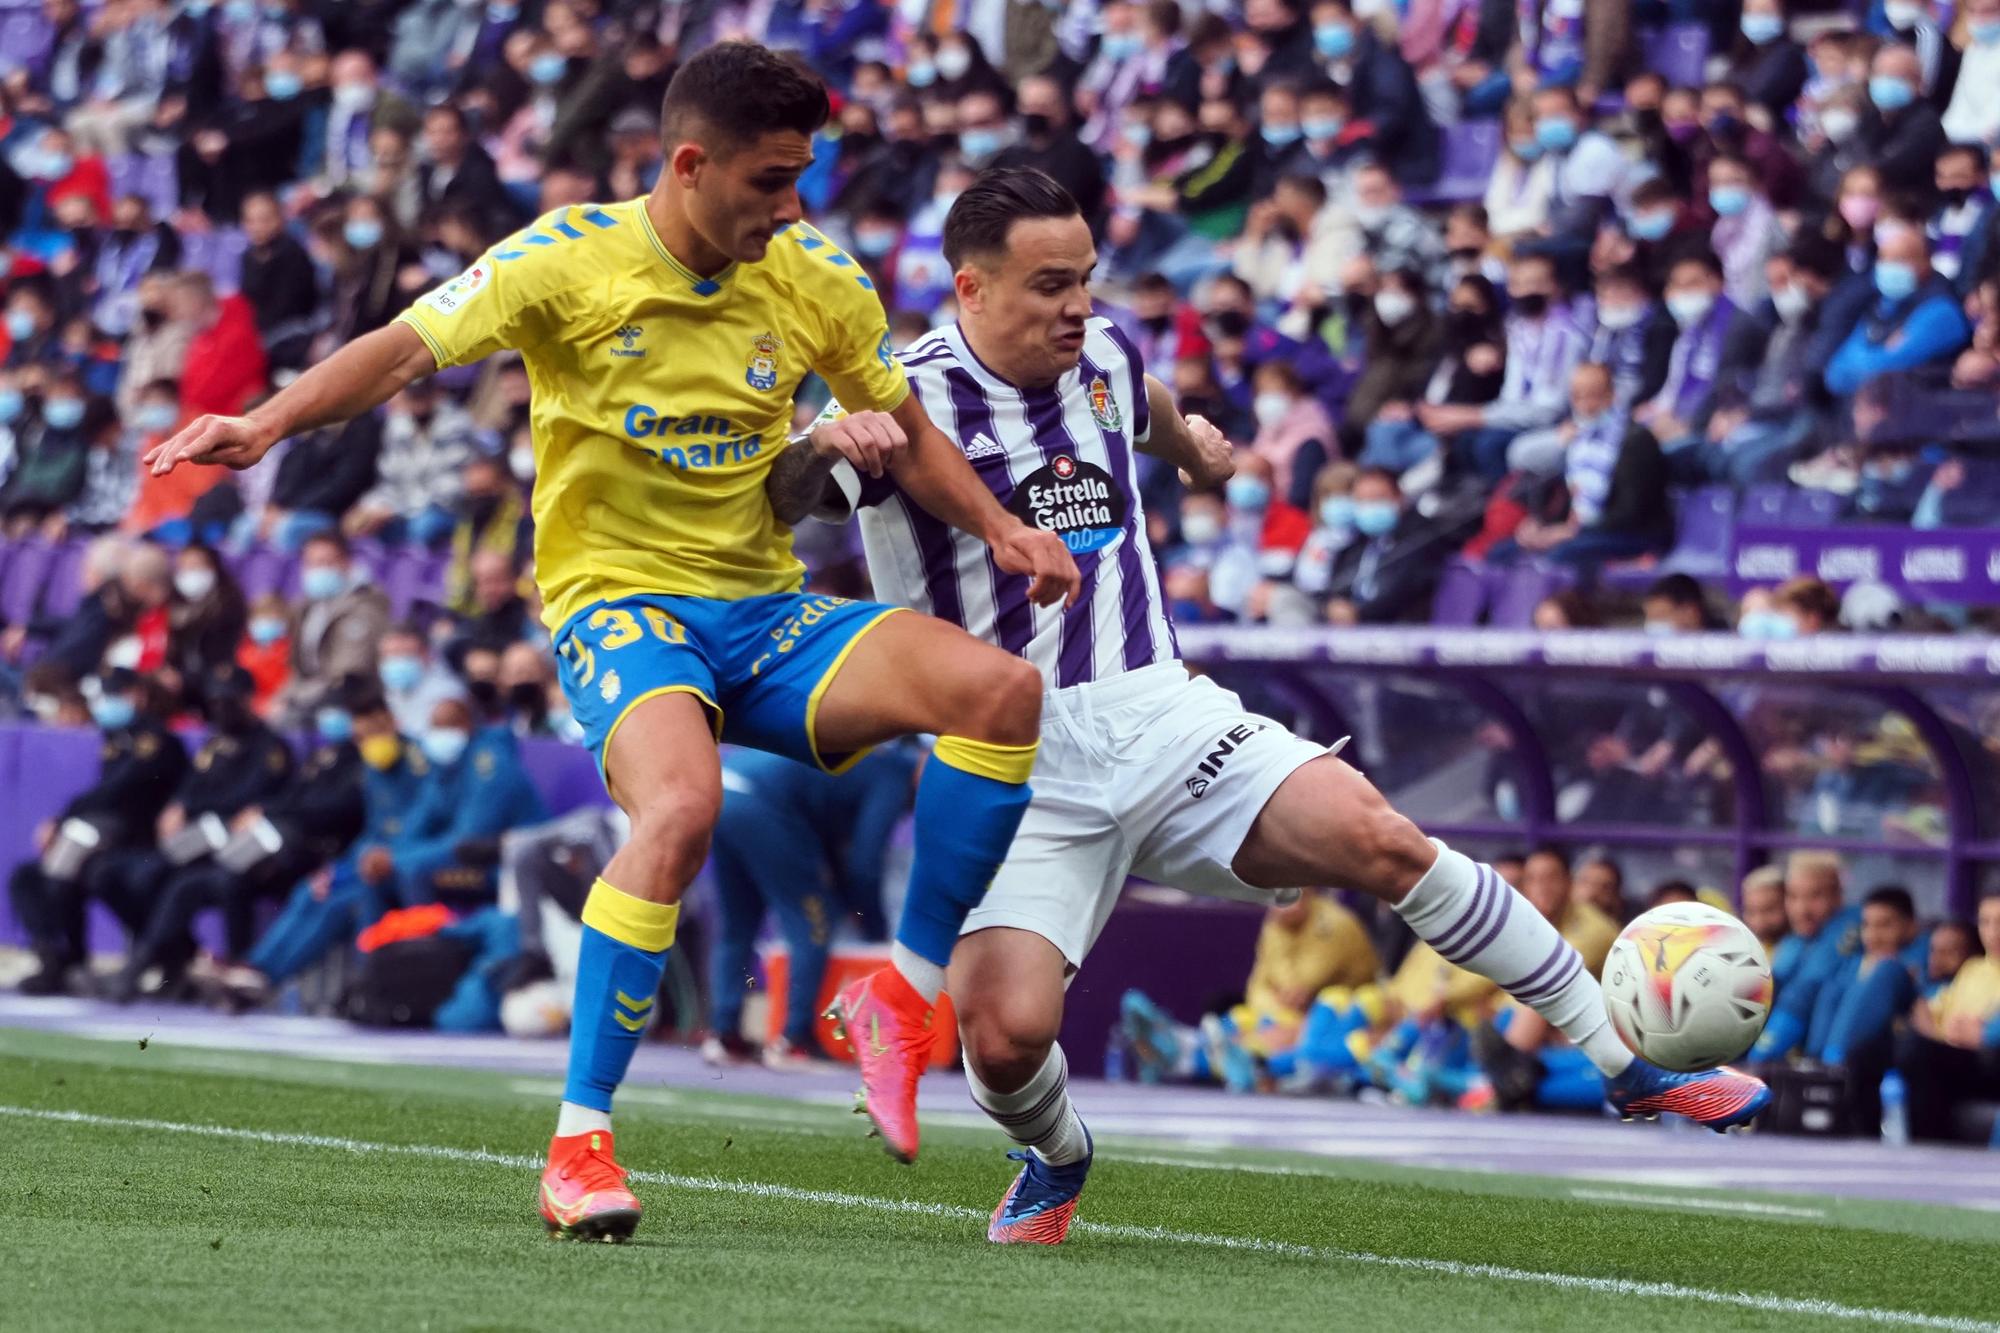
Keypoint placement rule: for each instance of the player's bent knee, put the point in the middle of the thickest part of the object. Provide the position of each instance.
(672, 828)
(1012, 703)
(1007, 1043)
(1394, 850)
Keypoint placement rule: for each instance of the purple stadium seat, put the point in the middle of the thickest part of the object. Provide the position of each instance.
(1678, 53)
(566, 775)
(27, 573)
(225, 258)
(263, 570)
(1764, 506)
(195, 248)
(1521, 590)
(1812, 509)
(372, 556)
(1704, 528)
(405, 581)
(1470, 149)
(1461, 594)
(64, 592)
(128, 171)
(24, 36)
(161, 184)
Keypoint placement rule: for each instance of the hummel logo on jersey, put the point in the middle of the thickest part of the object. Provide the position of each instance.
(628, 338)
(983, 446)
(1211, 765)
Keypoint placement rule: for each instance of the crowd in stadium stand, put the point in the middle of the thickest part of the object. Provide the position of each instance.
(1477, 284)
(1342, 1003)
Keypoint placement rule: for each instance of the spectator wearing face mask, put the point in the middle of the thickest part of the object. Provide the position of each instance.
(1914, 323)
(1634, 336)
(1590, 172)
(528, 691)
(1403, 339)
(475, 789)
(266, 649)
(53, 455)
(1469, 374)
(1765, 62)
(1524, 176)
(376, 271)
(207, 620)
(1746, 232)
(1333, 528)
(412, 681)
(1049, 143)
(427, 441)
(1702, 317)
(336, 633)
(1973, 114)
(1912, 25)
(140, 765)
(322, 474)
(1294, 246)
(1908, 134)
(1726, 131)
(135, 246)
(1394, 235)
(1382, 576)
(497, 615)
(1294, 434)
(1962, 229)
(1381, 89)
(492, 518)
(29, 327)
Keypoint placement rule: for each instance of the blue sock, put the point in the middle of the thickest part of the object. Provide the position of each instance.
(625, 943)
(969, 802)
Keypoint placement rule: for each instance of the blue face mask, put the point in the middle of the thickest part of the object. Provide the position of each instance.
(362, 233)
(1121, 45)
(320, 583)
(1985, 34)
(156, 418)
(283, 85)
(1251, 494)
(1767, 625)
(1333, 40)
(1337, 511)
(63, 413)
(548, 68)
(197, 8)
(11, 403)
(979, 143)
(1895, 281)
(1525, 149)
(921, 74)
(1652, 226)
(334, 724)
(55, 166)
(1139, 135)
(1994, 181)
(1762, 28)
(20, 325)
(502, 13)
(1554, 133)
(1728, 200)
(112, 711)
(874, 244)
(445, 746)
(1281, 136)
(240, 11)
(1324, 127)
(1889, 93)
(401, 673)
(1374, 518)
(266, 630)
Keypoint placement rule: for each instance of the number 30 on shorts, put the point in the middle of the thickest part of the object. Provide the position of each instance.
(619, 628)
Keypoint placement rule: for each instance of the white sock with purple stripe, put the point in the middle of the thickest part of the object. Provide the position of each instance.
(1037, 1115)
(1477, 920)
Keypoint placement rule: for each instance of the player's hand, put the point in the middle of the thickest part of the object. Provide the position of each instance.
(236, 442)
(1217, 456)
(1044, 559)
(869, 440)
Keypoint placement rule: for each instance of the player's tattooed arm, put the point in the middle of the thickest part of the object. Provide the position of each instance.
(1193, 444)
(799, 482)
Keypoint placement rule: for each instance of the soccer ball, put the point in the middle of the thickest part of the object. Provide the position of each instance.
(1687, 987)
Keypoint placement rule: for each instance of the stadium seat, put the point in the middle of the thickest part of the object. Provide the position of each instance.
(161, 184)
(406, 579)
(1704, 529)
(64, 592)
(1764, 506)
(24, 36)
(1521, 590)
(265, 570)
(1812, 509)
(1678, 53)
(27, 574)
(1470, 149)
(1462, 594)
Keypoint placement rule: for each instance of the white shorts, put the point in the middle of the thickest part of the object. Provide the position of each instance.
(1151, 773)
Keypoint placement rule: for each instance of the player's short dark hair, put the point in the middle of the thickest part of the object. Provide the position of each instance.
(1894, 897)
(988, 209)
(733, 93)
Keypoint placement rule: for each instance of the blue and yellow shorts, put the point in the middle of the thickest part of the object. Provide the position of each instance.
(760, 664)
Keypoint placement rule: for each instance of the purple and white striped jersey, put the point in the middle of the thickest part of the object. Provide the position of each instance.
(1060, 458)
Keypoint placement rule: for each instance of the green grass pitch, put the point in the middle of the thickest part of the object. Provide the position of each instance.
(167, 1188)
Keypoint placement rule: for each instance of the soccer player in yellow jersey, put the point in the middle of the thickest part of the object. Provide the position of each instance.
(664, 338)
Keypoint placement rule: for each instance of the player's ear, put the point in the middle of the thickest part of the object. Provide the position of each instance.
(686, 162)
(967, 285)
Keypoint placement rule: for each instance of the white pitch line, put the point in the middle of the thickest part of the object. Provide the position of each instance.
(1604, 1286)
(1704, 1205)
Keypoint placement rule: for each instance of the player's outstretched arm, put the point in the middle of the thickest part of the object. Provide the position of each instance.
(931, 470)
(364, 374)
(1194, 444)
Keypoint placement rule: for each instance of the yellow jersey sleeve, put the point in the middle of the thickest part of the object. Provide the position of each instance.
(854, 357)
(512, 297)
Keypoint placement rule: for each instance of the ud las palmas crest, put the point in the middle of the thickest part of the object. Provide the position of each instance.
(1103, 406)
(763, 372)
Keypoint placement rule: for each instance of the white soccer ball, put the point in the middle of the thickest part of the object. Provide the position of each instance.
(1687, 986)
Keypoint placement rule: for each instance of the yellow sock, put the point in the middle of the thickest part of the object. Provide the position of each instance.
(1001, 763)
(634, 921)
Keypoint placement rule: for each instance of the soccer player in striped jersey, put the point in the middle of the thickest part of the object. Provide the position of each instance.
(664, 338)
(1143, 768)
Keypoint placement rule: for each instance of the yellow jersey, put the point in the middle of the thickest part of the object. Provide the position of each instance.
(660, 398)
(1332, 948)
(1975, 990)
(1426, 978)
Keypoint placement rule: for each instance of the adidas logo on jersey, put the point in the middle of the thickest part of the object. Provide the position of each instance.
(984, 446)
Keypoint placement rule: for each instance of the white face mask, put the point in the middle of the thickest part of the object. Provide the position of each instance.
(521, 462)
(1689, 307)
(1619, 317)
(1839, 124)
(1201, 528)
(1270, 408)
(1791, 303)
(194, 584)
(1394, 307)
(953, 61)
